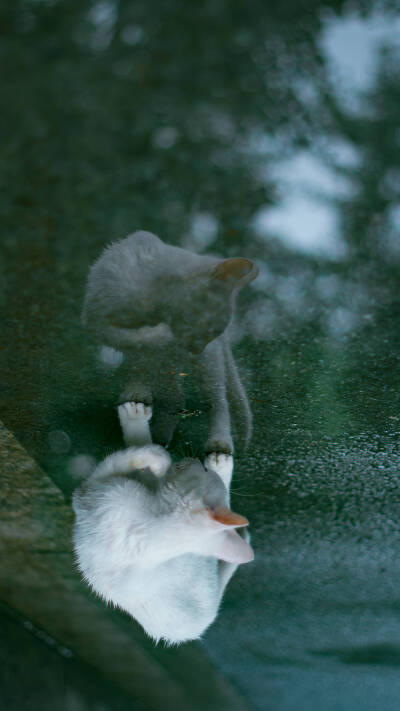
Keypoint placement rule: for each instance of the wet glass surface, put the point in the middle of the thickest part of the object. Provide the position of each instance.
(257, 131)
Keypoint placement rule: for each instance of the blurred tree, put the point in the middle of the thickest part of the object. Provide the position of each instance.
(171, 116)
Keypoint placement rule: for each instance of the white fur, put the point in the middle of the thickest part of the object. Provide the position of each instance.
(145, 539)
(222, 464)
(134, 418)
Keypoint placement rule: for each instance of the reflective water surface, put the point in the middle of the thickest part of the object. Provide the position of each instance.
(264, 132)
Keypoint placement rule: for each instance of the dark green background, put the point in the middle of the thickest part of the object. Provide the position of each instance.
(314, 622)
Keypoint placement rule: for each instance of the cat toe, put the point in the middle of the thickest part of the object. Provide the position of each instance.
(135, 410)
(147, 411)
(222, 445)
(220, 463)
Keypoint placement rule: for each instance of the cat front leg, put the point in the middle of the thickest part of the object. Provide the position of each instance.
(221, 464)
(134, 418)
(142, 454)
(214, 382)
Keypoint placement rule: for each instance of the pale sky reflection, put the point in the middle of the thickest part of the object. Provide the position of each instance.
(306, 219)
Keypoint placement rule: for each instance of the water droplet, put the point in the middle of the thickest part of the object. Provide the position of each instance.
(59, 441)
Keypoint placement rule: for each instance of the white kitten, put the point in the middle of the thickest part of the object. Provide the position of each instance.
(158, 539)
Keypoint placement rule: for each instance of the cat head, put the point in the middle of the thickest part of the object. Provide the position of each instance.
(208, 300)
(121, 523)
(201, 521)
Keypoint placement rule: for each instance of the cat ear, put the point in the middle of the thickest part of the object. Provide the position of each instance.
(237, 271)
(226, 518)
(228, 546)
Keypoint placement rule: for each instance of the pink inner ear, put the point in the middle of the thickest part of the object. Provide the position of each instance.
(229, 546)
(235, 269)
(228, 518)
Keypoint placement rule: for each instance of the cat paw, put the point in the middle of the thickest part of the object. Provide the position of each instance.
(220, 463)
(222, 445)
(134, 411)
(153, 457)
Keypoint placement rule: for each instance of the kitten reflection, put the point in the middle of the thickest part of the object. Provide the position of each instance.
(161, 309)
(159, 540)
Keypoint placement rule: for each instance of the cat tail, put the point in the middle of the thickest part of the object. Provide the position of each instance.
(237, 397)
